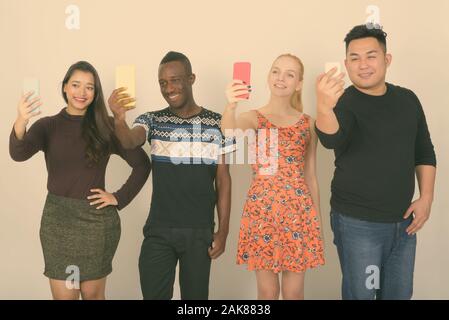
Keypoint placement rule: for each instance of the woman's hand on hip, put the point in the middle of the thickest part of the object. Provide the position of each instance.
(102, 198)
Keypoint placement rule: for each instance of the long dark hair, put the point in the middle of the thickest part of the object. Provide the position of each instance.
(97, 128)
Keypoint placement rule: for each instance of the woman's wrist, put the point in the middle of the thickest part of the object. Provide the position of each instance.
(21, 122)
(230, 107)
(20, 126)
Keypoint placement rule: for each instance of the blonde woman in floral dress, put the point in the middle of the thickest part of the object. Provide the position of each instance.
(280, 227)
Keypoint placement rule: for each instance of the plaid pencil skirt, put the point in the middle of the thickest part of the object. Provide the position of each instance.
(76, 237)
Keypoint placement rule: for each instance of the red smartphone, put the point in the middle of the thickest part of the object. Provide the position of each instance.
(242, 71)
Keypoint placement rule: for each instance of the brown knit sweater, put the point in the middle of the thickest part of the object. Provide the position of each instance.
(69, 174)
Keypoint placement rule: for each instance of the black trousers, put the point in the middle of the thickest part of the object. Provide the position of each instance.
(161, 250)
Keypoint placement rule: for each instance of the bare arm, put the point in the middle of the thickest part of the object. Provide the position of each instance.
(421, 207)
(223, 189)
(327, 122)
(20, 127)
(129, 138)
(426, 181)
(245, 121)
(328, 90)
(310, 172)
(229, 121)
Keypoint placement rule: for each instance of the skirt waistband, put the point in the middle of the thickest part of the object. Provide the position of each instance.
(71, 203)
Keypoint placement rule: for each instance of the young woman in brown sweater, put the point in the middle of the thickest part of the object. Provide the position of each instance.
(80, 226)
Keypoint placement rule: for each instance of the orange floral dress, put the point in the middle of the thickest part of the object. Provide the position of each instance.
(279, 228)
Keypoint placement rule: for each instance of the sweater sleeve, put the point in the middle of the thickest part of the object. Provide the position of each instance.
(141, 167)
(424, 150)
(33, 141)
(346, 123)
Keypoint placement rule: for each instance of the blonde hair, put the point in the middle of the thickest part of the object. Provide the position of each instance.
(296, 99)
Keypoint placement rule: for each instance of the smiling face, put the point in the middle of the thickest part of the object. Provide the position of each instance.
(285, 77)
(80, 92)
(367, 63)
(176, 84)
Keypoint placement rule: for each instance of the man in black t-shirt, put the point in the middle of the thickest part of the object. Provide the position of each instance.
(380, 138)
(190, 178)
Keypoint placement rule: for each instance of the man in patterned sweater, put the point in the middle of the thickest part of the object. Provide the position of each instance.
(190, 177)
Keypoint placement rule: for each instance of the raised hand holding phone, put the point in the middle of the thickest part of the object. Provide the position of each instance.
(122, 98)
(31, 85)
(242, 71)
(240, 88)
(30, 102)
(26, 109)
(329, 87)
(125, 77)
(27, 106)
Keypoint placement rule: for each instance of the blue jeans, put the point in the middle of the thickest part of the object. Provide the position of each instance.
(377, 259)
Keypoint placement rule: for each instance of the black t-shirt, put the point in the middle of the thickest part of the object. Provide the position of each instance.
(380, 142)
(185, 154)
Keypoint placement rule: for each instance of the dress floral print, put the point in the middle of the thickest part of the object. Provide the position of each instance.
(279, 228)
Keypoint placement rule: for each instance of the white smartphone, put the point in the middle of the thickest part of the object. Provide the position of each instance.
(330, 65)
(31, 84)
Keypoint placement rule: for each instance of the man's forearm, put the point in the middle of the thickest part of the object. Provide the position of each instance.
(426, 180)
(123, 133)
(224, 204)
(327, 122)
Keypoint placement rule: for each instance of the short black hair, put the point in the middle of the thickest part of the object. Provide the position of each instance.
(178, 56)
(368, 30)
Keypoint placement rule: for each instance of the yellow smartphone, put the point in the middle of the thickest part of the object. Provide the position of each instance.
(125, 76)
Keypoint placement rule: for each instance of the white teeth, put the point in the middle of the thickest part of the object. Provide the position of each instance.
(365, 75)
(173, 97)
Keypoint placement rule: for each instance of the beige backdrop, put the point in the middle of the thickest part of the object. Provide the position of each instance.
(214, 34)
